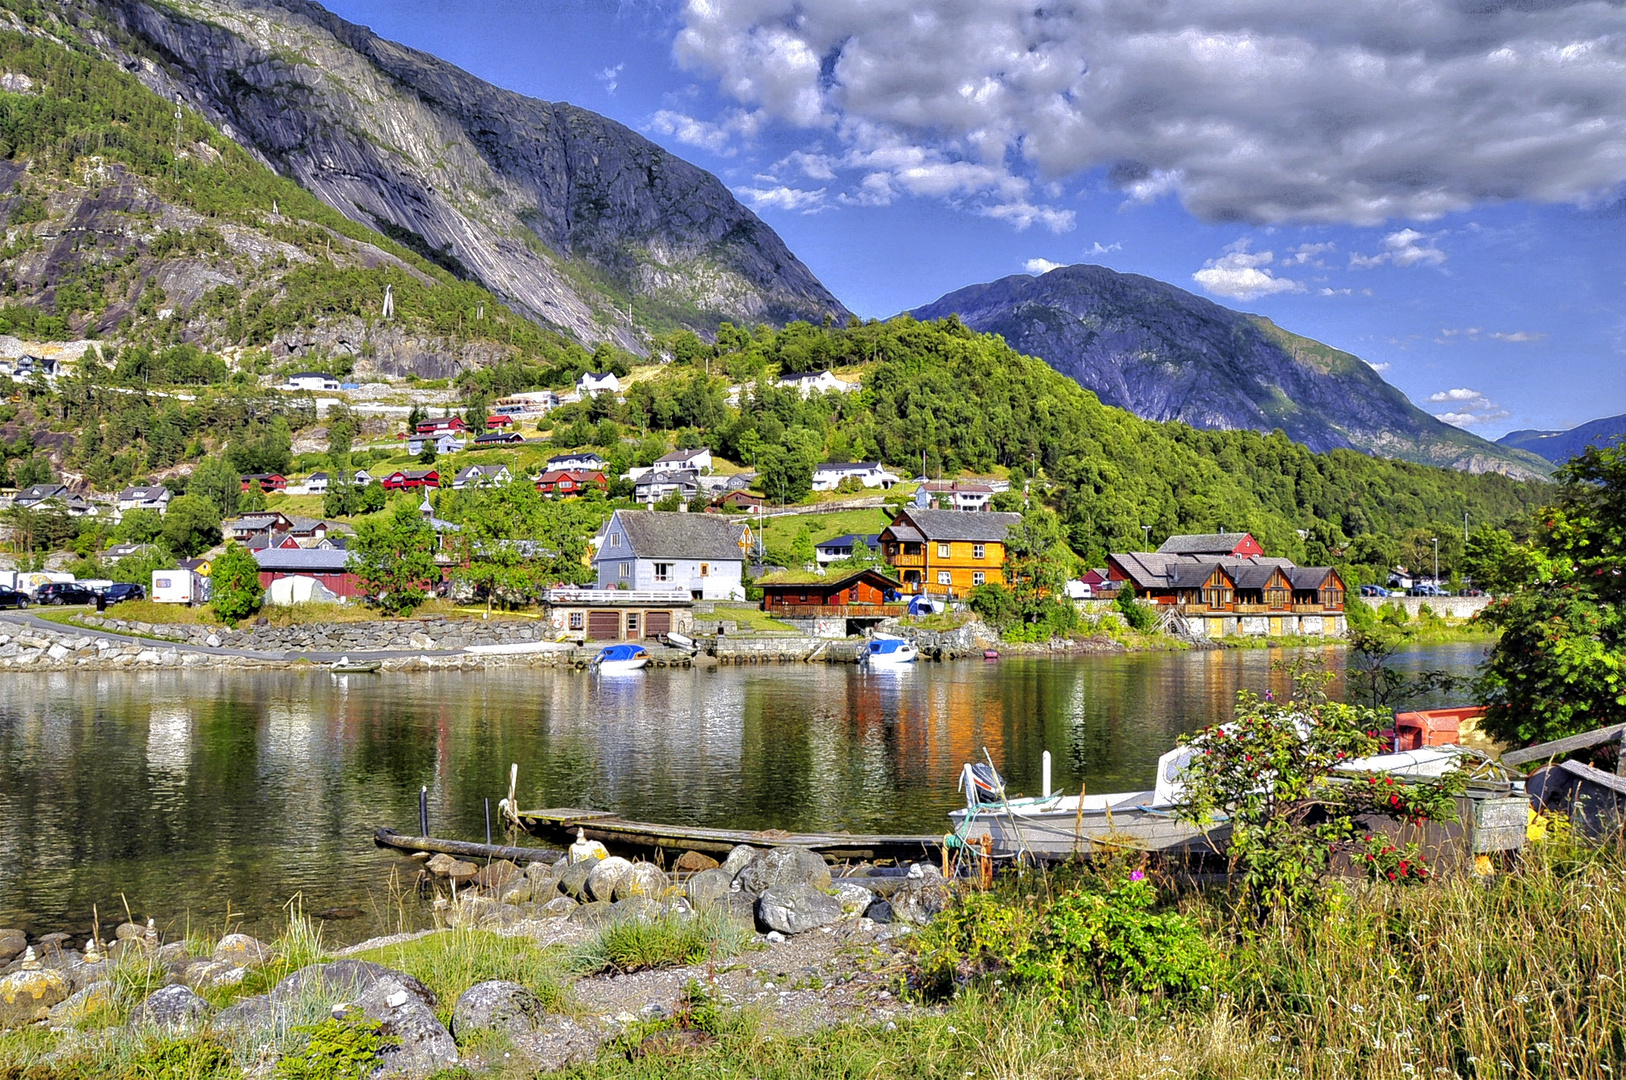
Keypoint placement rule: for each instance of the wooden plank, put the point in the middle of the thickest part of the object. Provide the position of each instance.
(391, 839)
(1558, 747)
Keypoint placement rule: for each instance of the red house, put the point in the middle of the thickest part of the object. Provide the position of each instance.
(411, 479)
(442, 425)
(860, 593)
(570, 481)
(330, 566)
(268, 482)
(493, 423)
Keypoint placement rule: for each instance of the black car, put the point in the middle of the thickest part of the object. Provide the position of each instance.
(13, 598)
(59, 592)
(120, 591)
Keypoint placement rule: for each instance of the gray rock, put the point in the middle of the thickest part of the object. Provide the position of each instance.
(784, 866)
(518, 891)
(173, 1008)
(880, 911)
(27, 996)
(796, 909)
(739, 908)
(644, 879)
(605, 876)
(708, 887)
(12, 944)
(592, 914)
(406, 1010)
(242, 951)
(496, 1006)
(174, 953)
(919, 899)
(204, 974)
(573, 880)
(541, 871)
(742, 856)
(854, 899)
(558, 906)
(634, 908)
(248, 1015)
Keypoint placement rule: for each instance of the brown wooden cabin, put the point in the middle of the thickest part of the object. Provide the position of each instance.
(856, 594)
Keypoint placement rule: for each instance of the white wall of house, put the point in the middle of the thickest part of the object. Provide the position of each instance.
(720, 581)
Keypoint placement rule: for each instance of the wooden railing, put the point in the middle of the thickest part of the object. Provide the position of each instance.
(838, 611)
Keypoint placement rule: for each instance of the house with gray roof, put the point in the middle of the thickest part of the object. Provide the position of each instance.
(701, 554)
(149, 497)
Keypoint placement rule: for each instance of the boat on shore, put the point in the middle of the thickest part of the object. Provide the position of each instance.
(886, 652)
(346, 666)
(621, 659)
(560, 826)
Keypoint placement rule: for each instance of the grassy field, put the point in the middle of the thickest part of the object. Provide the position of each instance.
(823, 526)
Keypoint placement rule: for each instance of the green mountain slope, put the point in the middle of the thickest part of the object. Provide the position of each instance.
(1559, 446)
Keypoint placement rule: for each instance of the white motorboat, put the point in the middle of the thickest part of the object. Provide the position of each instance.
(889, 652)
(620, 659)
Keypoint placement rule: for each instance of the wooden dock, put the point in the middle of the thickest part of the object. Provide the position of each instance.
(558, 826)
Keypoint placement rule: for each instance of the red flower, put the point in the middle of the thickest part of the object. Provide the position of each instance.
(1391, 875)
(1394, 800)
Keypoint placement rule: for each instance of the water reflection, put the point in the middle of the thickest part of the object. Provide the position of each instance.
(185, 790)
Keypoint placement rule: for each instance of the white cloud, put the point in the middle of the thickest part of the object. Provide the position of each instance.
(1471, 407)
(1384, 366)
(782, 198)
(1325, 291)
(1339, 111)
(1098, 248)
(1022, 213)
(1518, 337)
(1449, 335)
(716, 137)
(1308, 255)
(1242, 275)
(1407, 247)
(611, 77)
(1041, 266)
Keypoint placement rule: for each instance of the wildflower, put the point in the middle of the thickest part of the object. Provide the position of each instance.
(1137, 875)
(1357, 1009)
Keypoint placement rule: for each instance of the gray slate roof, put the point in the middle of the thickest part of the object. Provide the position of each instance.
(653, 534)
(303, 560)
(937, 525)
(1201, 544)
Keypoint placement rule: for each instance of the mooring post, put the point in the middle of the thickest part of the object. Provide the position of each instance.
(488, 822)
(423, 811)
(1046, 760)
(987, 861)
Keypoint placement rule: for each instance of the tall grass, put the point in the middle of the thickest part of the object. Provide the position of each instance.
(665, 941)
(454, 960)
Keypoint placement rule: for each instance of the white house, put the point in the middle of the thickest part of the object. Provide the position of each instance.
(699, 460)
(444, 443)
(311, 380)
(154, 497)
(363, 478)
(826, 477)
(816, 382)
(700, 553)
(584, 460)
(481, 476)
(842, 547)
(655, 485)
(598, 382)
(317, 483)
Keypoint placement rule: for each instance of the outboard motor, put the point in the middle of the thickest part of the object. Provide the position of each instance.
(982, 785)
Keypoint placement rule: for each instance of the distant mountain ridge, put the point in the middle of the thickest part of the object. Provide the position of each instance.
(1166, 354)
(568, 216)
(1559, 446)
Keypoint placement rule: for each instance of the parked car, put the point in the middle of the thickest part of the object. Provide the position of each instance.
(1426, 590)
(59, 592)
(13, 599)
(1374, 590)
(120, 591)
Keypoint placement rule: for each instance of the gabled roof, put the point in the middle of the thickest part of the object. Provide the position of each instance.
(869, 540)
(257, 522)
(144, 494)
(1203, 544)
(678, 457)
(652, 534)
(937, 525)
(1309, 577)
(308, 560)
(1249, 574)
(584, 455)
(828, 583)
(1191, 575)
(316, 476)
(43, 491)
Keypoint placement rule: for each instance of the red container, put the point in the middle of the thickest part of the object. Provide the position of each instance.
(1431, 727)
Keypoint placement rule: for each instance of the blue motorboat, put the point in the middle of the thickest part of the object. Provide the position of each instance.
(620, 659)
(890, 652)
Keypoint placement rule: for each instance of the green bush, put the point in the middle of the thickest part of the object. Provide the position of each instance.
(346, 1049)
(235, 591)
(1140, 618)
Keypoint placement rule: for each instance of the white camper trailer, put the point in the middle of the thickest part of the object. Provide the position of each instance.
(179, 587)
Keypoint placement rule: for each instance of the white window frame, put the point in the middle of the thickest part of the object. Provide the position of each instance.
(944, 577)
(979, 551)
(626, 570)
(663, 571)
(615, 538)
(978, 578)
(942, 551)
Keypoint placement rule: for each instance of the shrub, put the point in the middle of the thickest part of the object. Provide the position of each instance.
(666, 941)
(346, 1049)
(1140, 618)
(235, 591)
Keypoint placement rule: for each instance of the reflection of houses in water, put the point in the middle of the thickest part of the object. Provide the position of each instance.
(169, 752)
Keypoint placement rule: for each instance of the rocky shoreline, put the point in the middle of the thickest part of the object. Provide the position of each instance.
(818, 951)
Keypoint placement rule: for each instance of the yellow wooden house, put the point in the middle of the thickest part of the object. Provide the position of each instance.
(947, 553)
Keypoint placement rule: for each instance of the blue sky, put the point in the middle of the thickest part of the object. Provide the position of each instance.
(1439, 195)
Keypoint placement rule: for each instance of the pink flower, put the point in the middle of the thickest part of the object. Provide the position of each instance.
(1137, 875)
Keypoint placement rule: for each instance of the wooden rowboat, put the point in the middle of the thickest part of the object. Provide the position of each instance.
(355, 667)
(559, 826)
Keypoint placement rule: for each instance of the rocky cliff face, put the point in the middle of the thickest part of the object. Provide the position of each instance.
(565, 214)
(1166, 354)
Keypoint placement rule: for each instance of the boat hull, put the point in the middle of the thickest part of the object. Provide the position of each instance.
(622, 667)
(1065, 832)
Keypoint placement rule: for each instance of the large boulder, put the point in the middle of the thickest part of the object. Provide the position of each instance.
(240, 950)
(406, 1010)
(207, 974)
(28, 995)
(708, 887)
(854, 899)
(644, 879)
(173, 1008)
(605, 875)
(692, 862)
(12, 944)
(784, 866)
(496, 874)
(573, 880)
(919, 899)
(520, 890)
(496, 1006)
(591, 915)
(796, 909)
(82, 1005)
(558, 906)
(742, 856)
(454, 870)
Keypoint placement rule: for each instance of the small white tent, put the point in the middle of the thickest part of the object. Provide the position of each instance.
(299, 590)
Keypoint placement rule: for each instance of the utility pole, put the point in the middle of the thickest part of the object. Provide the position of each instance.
(1436, 540)
(1146, 535)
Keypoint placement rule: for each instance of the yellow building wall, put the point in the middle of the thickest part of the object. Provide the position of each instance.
(961, 564)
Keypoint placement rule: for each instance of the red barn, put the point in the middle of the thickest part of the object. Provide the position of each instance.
(442, 425)
(329, 566)
(862, 592)
(267, 482)
(411, 479)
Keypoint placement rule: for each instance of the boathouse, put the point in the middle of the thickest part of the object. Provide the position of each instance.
(618, 614)
(835, 605)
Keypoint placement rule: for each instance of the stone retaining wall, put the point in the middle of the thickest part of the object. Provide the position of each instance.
(373, 636)
(783, 650)
(1450, 607)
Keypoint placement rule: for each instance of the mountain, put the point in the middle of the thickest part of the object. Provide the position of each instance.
(1559, 446)
(568, 216)
(1166, 354)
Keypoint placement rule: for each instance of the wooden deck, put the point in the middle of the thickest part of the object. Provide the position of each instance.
(559, 826)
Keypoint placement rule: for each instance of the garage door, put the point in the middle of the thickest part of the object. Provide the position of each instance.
(603, 625)
(657, 623)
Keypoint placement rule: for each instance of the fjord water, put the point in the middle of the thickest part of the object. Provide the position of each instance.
(181, 792)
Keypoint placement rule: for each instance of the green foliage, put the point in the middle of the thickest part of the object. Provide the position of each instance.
(347, 1049)
(1140, 618)
(514, 541)
(268, 449)
(139, 526)
(252, 501)
(1097, 940)
(234, 584)
(183, 1057)
(191, 525)
(1560, 665)
(1371, 679)
(218, 481)
(1272, 772)
(665, 941)
(394, 558)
